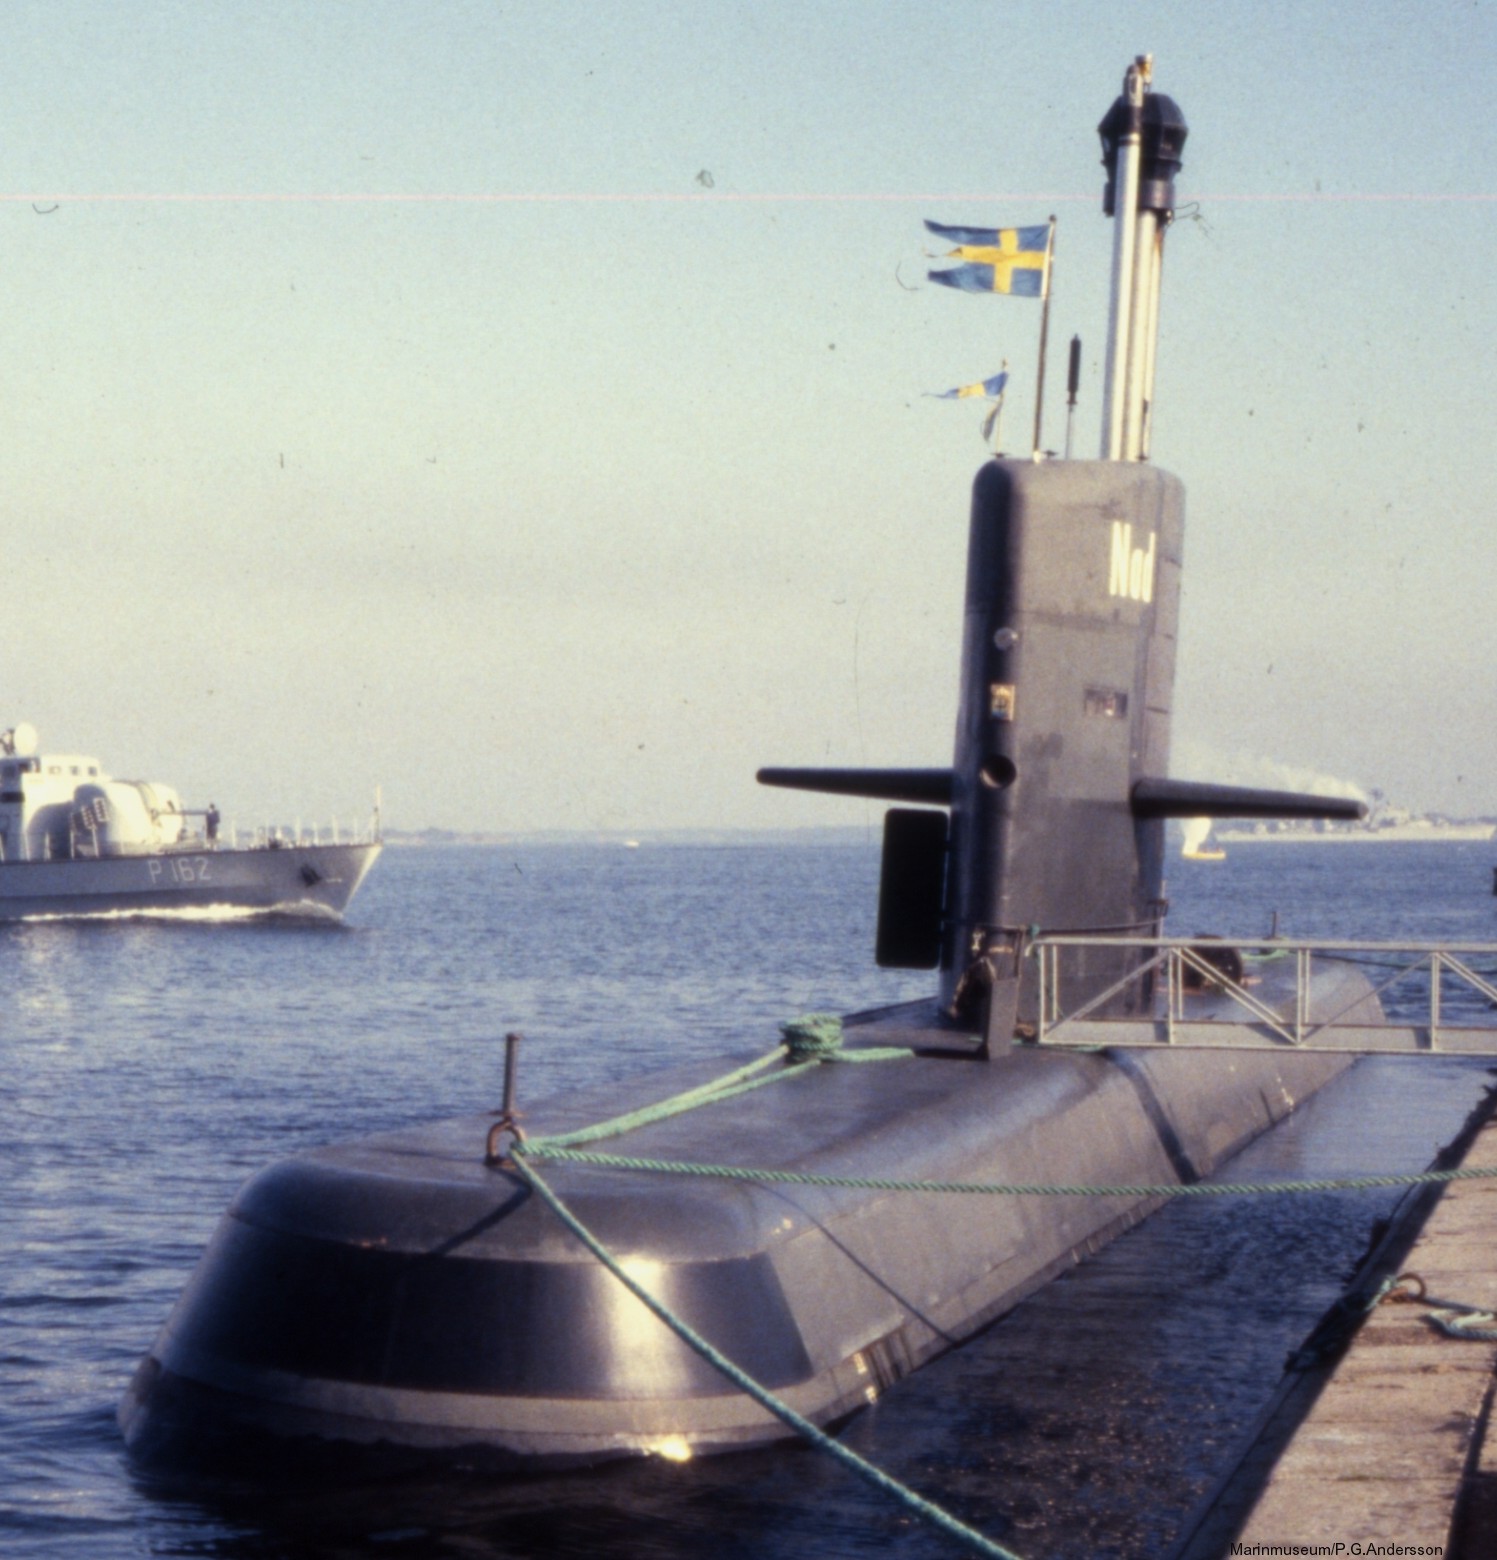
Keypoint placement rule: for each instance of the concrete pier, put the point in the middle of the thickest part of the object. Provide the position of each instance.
(1390, 1448)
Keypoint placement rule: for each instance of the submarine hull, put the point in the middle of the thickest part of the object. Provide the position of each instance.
(400, 1300)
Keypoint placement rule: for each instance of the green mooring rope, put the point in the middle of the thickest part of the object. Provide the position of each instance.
(549, 1149)
(1465, 1323)
(913, 1502)
(815, 1038)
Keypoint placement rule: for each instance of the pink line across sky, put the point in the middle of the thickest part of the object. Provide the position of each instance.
(703, 197)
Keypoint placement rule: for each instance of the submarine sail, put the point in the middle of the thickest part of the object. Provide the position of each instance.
(410, 1297)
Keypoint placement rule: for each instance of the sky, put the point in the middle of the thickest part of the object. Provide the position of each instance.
(523, 408)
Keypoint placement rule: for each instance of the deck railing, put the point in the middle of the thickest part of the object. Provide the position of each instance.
(85, 844)
(1189, 991)
(276, 835)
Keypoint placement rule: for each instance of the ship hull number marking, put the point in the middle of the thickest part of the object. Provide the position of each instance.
(179, 869)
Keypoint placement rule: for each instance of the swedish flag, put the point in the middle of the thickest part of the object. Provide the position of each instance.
(1001, 260)
(989, 388)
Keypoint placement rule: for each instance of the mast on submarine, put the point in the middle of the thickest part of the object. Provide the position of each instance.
(1143, 136)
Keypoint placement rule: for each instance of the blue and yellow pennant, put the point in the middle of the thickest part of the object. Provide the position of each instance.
(988, 388)
(1001, 260)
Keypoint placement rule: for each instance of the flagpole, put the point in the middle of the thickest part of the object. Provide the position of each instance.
(1039, 386)
(990, 429)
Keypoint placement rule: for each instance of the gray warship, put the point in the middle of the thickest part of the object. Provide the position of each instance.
(416, 1296)
(76, 842)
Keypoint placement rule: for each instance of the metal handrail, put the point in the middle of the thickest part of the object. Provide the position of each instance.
(1178, 957)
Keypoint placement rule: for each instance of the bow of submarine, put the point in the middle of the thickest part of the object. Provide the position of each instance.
(397, 1298)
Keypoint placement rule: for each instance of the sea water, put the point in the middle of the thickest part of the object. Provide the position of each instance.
(149, 1066)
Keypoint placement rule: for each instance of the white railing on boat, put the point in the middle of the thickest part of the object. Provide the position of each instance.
(279, 835)
(1439, 997)
(84, 844)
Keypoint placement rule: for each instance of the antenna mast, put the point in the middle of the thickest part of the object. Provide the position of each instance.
(1073, 384)
(1143, 134)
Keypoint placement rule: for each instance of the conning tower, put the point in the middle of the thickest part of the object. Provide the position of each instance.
(1053, 810)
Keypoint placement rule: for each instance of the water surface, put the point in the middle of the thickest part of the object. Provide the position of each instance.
(147, 1068)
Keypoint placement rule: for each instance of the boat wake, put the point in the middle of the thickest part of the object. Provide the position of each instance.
(301, 912)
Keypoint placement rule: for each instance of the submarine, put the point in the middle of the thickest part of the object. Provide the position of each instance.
(412, 1298)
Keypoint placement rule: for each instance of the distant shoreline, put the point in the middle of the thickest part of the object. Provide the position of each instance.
(843, 835)
(860, 835)
(1416, 834)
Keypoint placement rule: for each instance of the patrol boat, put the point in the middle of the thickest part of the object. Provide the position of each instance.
(76, 842)
(444, 1292)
